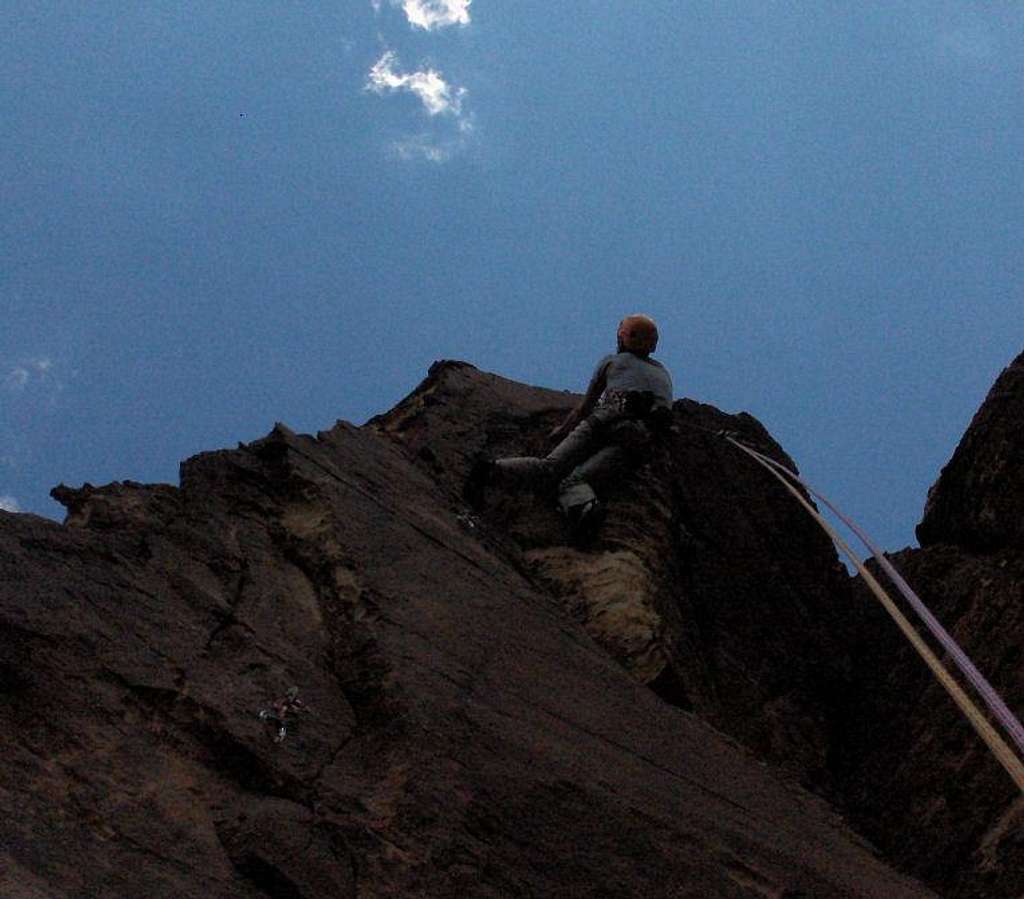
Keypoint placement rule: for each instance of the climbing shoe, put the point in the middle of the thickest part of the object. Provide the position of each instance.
(584, 521)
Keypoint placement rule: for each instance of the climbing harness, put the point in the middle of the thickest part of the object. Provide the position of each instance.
(1009, 760)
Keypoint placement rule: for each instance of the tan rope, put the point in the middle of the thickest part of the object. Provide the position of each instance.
(1007, 758)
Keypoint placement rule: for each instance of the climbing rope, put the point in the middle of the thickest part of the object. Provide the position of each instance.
(999, 748)
(992, 699)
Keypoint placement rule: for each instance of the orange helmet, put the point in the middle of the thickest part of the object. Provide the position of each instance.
(638, 334)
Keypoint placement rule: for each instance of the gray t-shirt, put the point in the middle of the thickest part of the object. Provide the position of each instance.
(628, 372)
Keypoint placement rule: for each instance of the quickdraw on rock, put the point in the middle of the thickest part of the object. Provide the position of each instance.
(281, 711)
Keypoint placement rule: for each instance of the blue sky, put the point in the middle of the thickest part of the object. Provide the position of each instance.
(220, 215)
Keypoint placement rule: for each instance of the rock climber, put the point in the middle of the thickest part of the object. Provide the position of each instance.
(627, 403)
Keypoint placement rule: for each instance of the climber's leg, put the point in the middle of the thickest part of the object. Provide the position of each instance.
(577, 489)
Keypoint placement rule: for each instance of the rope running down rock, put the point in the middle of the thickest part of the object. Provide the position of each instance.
(999, 748)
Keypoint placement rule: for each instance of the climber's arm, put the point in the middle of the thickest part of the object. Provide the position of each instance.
(585, 406)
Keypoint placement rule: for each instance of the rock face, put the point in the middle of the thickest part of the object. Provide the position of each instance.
(708, 582)
(917, 780)
(978, 501)
(469, 707)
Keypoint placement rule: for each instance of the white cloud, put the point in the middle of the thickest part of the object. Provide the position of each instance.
(9, 504)
(438, 97)
(16, 378)
(423, 146)
(430, 14)
(435, 145)
(35, 378)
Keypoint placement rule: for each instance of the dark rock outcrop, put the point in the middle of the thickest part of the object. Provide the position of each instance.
(978, 501)
(920, 782)
(479, 710)
(916, 778)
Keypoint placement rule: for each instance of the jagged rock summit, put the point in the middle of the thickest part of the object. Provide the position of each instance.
(310, 671)
(979, 497)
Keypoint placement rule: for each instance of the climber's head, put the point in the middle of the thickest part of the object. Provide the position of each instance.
(638, 334)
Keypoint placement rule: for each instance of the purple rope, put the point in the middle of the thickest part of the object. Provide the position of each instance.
(992, 699)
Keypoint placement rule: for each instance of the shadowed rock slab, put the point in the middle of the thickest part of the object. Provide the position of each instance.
(918, 780)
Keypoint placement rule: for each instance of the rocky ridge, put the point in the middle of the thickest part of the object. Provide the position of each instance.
(480, 710)
(922, 771)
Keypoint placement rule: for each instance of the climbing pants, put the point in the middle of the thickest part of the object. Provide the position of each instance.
(607, 442)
